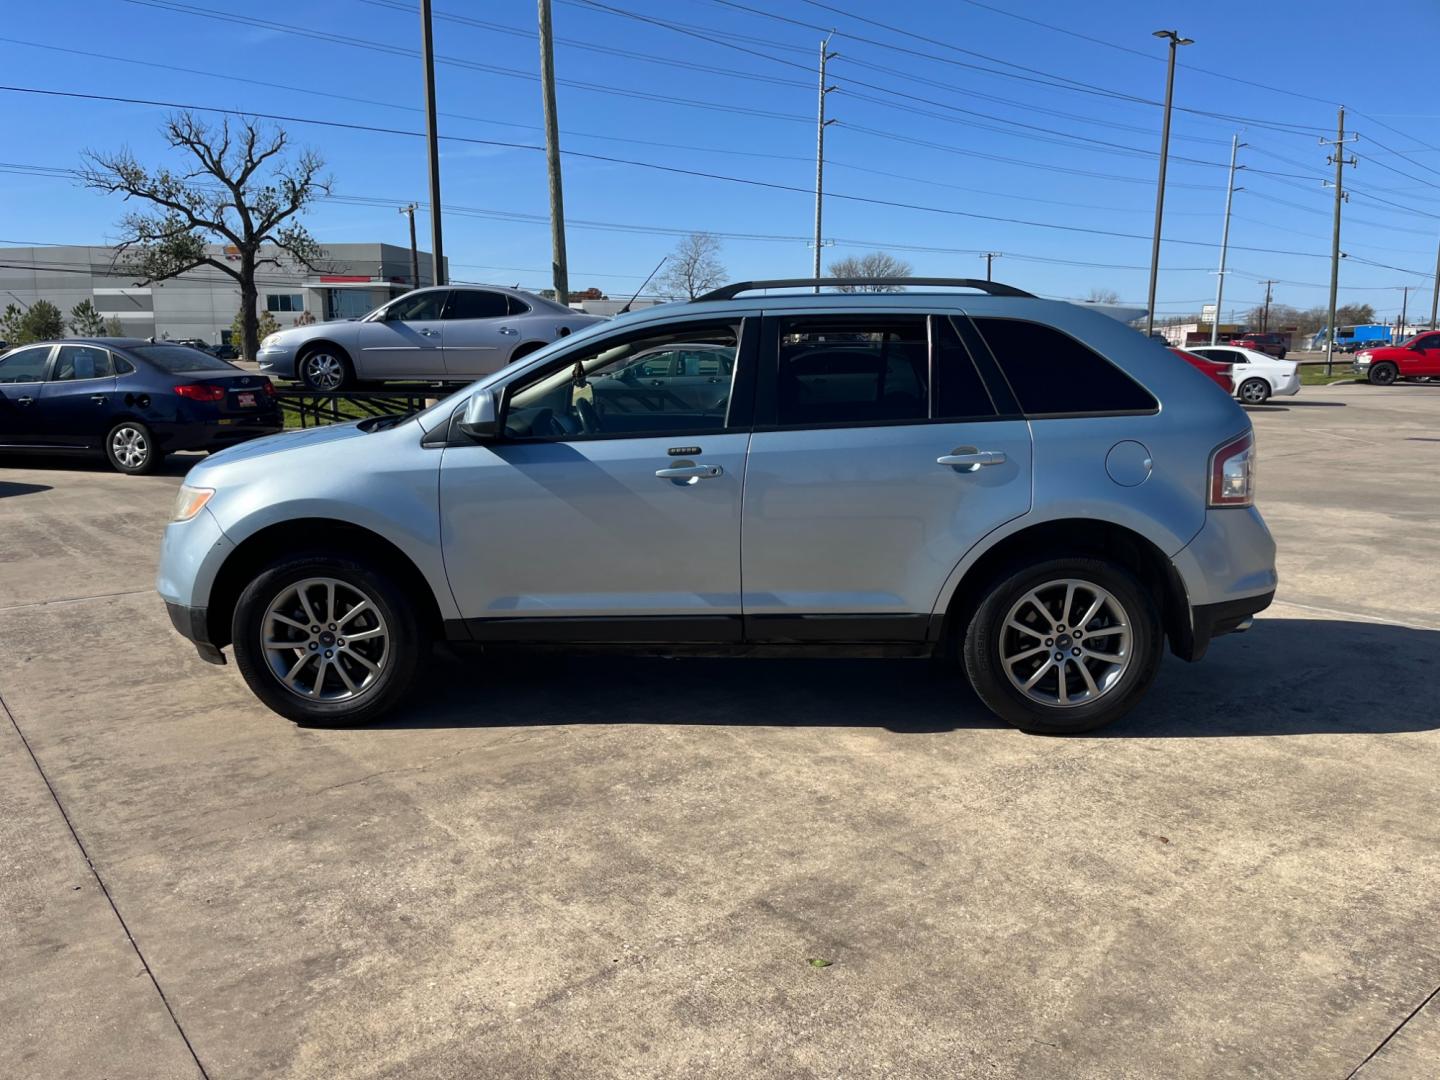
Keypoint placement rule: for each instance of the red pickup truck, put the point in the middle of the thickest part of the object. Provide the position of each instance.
(1417, 358)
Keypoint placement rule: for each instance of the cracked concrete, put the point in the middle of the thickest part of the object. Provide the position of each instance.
(596, 867)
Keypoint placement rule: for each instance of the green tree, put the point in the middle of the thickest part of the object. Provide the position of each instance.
(41, 321)
(85, 321)
(264, 326)
(1354, 315)
(238, 188)
(113, 327)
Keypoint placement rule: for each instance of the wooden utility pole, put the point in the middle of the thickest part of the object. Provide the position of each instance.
(1339, 160)
(1265, 318)
(432, 139)
(1435, 295)
(561, 271)
(820, 124)
(409, 211)
(989, 257)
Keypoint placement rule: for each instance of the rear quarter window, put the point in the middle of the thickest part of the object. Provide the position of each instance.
(1051, 373)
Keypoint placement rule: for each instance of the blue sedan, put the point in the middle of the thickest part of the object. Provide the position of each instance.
(133, 400)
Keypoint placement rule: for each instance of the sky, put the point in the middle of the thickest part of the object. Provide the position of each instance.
(1029, 128)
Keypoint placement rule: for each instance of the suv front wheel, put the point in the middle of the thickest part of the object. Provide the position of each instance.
(327, 641)
(1063, 646)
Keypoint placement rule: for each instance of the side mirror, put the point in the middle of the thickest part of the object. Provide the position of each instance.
(481, 419)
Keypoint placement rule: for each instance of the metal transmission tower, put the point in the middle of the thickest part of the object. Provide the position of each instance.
(820, 124)
(1339, 160)
(552, 158)
(1175, 41)
(432, 139)
(409, 211)
(1230, 190)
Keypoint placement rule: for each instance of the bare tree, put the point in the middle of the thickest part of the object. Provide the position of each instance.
(1103, 296)
(875, 264)
(240, 190)
(694, 267)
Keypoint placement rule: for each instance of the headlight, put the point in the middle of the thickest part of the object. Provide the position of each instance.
(270, 339)
(190, 501)
(1363, 358)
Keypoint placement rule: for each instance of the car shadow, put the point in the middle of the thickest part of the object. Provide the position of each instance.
(173, 464)
(8, 489)
(1284, 677)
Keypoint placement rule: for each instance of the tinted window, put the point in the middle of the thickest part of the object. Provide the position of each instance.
(629, 387)
(178, 358)
(122, 366)
(417, 307)
(515, 306)
(475, 304)
(959, 393)
(81, 362)
(1222, 356)
(1431, 342)
(848, 370)
(24, 365)
(1051, 372)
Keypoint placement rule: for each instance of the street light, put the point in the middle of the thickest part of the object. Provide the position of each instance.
(1175, 41)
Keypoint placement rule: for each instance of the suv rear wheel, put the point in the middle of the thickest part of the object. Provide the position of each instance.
(327, 641)
(1063, 646)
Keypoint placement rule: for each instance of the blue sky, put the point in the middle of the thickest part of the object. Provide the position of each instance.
(1051, 134)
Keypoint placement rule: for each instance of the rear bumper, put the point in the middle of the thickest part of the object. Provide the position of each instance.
(192, 623)
(216, 434)
(1287, 385)
(1225, 574)
(1210, 621)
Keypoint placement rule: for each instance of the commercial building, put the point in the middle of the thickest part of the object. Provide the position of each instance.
(202, 303)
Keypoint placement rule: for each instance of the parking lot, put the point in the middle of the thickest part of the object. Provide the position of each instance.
(602, 867)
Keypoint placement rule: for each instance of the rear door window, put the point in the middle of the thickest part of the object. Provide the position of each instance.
(475, 304)
(75, 362)
(1053, 374)
(852, 370)
(959, 392)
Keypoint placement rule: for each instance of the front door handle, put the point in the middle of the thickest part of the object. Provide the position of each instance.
(430, 333)
(689, 474)
(969, 459)
(26, 400)
(98, 399)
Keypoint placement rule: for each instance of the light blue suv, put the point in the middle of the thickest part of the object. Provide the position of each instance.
(1025, 485)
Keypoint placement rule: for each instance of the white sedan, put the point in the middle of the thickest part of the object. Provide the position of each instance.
(1257, 375)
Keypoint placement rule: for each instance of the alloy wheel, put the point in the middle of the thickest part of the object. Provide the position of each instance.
(325, 640)
(324, 371)
(1254, 392)
(130, 447)
(1066, 643)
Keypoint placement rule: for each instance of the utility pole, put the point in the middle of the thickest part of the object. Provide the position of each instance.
(990, 257)
(1175, 41)
(432, 139)
(1265, 318)
(552, 158)
(1435, 296)
(820, 124)
(1339, 161)
(409, 211)
(1224, 242)
(1404, 307)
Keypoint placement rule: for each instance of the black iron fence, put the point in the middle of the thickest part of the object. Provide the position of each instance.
(319, 407)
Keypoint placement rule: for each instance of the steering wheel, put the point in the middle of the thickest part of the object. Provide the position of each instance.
(589, 418)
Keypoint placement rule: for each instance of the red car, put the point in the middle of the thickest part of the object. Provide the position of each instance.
(1418, 358)
(1213, 370)
(1272, 344)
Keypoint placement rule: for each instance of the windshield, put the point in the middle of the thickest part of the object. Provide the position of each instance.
(177, 359)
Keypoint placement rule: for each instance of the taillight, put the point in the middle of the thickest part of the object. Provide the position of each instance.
(201, 391)
(1232, 472)
(267, 388)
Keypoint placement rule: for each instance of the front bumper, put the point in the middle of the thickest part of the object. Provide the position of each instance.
(193, 623)
(191, 554)
(277, 363)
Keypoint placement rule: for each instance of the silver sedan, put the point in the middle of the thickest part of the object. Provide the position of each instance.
(445, 334)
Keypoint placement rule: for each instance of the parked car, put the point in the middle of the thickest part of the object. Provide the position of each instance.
(1013, 482)
(1214, 370)
(135, 401)
(1416, 358)
(1256, 375)
(448, 334)
(223, 352)
(1272, 343)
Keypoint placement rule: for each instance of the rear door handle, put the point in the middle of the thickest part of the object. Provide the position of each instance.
(690, 473)
(508, 330)
(969, 459)
(98, 399)
(26, 400)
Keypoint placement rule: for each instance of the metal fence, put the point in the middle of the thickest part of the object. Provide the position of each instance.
(320, 407)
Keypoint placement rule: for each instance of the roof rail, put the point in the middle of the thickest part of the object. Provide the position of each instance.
(730, 292)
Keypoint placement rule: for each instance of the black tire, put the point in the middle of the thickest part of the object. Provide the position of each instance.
(1254, 391)
(987, 632)
(1384, 373)
(396, 655)
(324, 367)
(130, 448)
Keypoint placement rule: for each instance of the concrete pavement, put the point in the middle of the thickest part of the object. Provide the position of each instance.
(622, 868)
